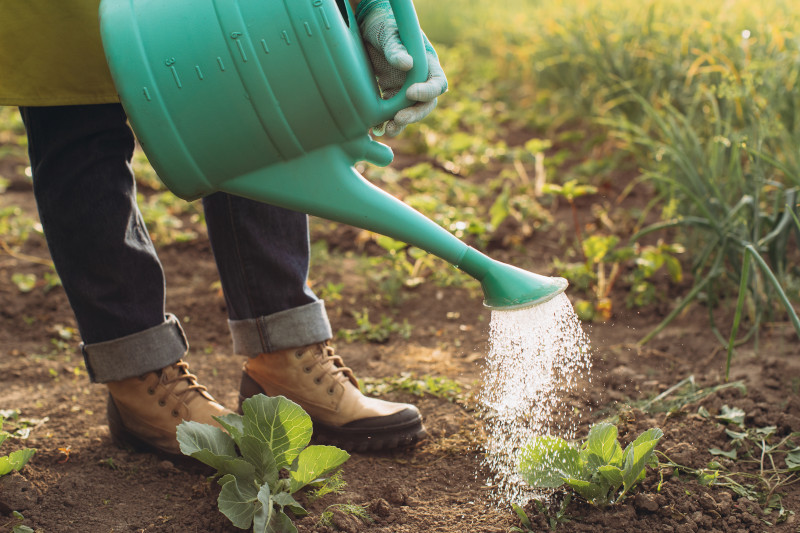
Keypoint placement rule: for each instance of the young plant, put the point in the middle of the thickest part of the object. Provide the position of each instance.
(16, 459)
(273, 461)
(597, 470)
(767, 463)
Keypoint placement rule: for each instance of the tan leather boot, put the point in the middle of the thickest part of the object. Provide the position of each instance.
(144, 412)
(318, 381)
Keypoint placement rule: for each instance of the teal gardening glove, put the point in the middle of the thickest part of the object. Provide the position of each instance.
(391, 61)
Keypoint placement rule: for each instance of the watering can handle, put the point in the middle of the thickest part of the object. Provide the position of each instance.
(411, 36)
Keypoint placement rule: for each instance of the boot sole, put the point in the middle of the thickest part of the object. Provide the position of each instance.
(351, 439)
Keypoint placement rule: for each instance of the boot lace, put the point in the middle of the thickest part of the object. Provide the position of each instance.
(332, 363)
(171, 381)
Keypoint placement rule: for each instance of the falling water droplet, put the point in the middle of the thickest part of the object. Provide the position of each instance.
(537, 357)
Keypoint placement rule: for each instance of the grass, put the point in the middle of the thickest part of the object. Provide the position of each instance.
(702, 97)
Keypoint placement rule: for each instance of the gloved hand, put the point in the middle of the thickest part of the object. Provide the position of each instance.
(391, 61)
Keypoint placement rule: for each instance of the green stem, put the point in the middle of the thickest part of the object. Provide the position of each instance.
(686, 301)
(776, 284)
(739, 307)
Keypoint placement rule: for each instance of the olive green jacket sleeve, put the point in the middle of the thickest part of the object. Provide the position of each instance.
(51, 54)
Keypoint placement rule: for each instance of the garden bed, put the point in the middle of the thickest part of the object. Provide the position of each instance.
(79, 481)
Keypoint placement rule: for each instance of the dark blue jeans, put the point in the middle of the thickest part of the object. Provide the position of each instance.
(86, 196)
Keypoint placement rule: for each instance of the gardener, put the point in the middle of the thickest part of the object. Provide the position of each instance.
(80, 148)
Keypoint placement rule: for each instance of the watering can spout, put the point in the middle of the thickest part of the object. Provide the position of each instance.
(343, 195)
(506, 287)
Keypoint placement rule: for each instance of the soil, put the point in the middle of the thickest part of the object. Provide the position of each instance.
(79, 481)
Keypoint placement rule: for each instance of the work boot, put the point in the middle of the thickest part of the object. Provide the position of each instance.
(318, 381)
(144, 412)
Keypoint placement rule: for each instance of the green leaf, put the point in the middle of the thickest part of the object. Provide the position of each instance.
(716, 451)
(281, 523)
(674, 268)
(315, 462)
(284, 499)
(523, 516)
(637, 455)
(236, 500)
(278, 423)
(266, 511)
(611, 475)
(240, 469)
(546, 461)
(261, 457)
(499, 210)
(233, 424)
(596, 247)
(591, 492)
(21, 529)
(733, 415)
(793, 460)
(767, 431)
(602, 442)
(15, 460)
(208, 444)
(736, 435)
(24, 282)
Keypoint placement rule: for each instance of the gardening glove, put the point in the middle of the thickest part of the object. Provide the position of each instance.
(390, 61)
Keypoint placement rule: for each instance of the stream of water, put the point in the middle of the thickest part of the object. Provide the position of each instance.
(538, 358)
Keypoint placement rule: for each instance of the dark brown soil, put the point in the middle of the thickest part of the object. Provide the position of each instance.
(79, 481)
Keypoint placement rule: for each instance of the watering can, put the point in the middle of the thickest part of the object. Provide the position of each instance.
(273, 100)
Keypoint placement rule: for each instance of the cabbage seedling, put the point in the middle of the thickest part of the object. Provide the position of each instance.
(273, 461)
(16, 459)
(597, 470)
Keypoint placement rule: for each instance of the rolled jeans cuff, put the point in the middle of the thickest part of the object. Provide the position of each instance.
(293, 328)
(136, 354)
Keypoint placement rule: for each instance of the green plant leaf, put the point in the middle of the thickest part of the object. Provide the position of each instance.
(596, 493)
(284, 499)
(21, 529)
(261, 457)
(637, 454)
(266, 511)
(523, 516)
(281, 523)
(547, 461)
(208, 444)
(24, 282)
(793, 460)
(734, 415)
(240, 469)
(603, 446)
(716, 451)
(315, 462)
(15, 460)
(611, 475)
(236, 500)
(278, 423)
(233, 424)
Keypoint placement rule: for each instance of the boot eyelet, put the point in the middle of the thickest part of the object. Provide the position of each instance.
(162, 403)
(318, 380)
(175, 413)
(307, 369)
(151, 391)
(299, 355)
(331, 391)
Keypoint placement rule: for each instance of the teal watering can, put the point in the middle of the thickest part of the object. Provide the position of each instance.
(273, 100)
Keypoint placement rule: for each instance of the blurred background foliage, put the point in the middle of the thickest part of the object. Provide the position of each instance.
(670, 130)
